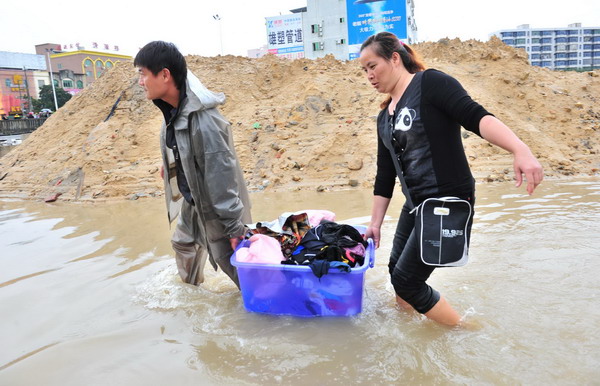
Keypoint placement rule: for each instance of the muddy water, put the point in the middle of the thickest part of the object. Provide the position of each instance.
(89, 295)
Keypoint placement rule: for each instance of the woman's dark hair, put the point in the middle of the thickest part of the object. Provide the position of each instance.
(158, 55)
(384, 44)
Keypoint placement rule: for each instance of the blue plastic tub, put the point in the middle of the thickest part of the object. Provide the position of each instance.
(282, 289)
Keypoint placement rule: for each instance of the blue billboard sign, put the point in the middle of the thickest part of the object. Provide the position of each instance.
(368, 17)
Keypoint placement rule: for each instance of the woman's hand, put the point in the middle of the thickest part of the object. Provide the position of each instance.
(526, 164)
(373, 233)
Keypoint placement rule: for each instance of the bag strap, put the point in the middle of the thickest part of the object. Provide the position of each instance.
(386, 137)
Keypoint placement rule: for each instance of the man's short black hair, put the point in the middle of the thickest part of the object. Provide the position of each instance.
(158, 55)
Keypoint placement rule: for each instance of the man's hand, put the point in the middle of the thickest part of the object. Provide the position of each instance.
(235, 242)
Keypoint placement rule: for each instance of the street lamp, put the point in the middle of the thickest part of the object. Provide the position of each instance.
(52, 79)
(218, 19)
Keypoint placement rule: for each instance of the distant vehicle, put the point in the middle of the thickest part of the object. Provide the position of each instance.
(45, 113)
(16, 141)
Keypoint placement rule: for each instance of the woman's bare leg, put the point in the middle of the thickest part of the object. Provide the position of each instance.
(443, 313)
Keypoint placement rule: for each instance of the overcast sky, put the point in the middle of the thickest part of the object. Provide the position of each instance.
(190, 25)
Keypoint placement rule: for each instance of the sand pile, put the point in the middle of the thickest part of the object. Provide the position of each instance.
(302, 124)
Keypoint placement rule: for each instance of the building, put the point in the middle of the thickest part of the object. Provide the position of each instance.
(338, 27)
(571, 48)
(21, 76)
(74, 67)
(258, 52)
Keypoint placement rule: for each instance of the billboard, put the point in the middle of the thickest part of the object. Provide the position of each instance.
(368, 17)
(284, 35)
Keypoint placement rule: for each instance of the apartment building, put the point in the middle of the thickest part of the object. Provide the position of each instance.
(572, 48)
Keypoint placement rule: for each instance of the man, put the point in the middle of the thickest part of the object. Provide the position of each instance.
(204, 183)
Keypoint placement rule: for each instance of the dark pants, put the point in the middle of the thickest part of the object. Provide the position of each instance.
(408, 273)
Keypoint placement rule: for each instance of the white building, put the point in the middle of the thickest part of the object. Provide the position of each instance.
(571, 48)
(338, 27)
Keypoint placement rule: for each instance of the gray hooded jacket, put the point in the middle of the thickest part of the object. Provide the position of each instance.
(205, 144)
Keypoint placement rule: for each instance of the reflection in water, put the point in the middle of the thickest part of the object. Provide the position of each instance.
(90, 293)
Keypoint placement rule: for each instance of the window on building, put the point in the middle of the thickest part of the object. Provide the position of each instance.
(99, 64)
(88, 73)
(546, 48)
(342, 19)
(573, 39)
(521, 33)
(79, 84)
(318, 46)
(109, 64)
(7, 82)
(67, 83)
(546, 40)
(55, 82)
(547, 33)
(560, 55)
(572, 62)
(41, 83)
(59, 66)
(561, 32)
(561, 40)
(520, 41)
(87, 63)
(535, 41)
(510, 42)
(535, 56)
(536, 48)
(314, 28)
(536, 33)
(546, 64)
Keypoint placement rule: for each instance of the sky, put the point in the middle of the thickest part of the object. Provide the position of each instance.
(191, 26)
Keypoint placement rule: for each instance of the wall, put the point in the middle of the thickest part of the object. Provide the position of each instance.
(327, 14)
(13, 96)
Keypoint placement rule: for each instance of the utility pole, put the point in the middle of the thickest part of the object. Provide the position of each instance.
(27, 88)
(52, 79)
(218, 19)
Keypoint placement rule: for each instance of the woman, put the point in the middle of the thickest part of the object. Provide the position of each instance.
(421, 122)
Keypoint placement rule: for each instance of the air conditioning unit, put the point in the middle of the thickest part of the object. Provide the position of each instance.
(316, 29)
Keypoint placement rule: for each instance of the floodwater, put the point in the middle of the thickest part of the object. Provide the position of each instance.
(89, 294)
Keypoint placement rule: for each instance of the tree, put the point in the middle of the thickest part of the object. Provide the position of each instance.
(46, 100)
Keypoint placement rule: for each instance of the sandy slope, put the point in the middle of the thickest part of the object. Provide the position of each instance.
(303, 124)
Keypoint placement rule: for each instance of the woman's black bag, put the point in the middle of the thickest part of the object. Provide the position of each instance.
(441, 226)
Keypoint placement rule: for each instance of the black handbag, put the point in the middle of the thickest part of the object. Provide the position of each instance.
(442, 230)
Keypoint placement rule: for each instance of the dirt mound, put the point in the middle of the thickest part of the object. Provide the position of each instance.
(303, 124)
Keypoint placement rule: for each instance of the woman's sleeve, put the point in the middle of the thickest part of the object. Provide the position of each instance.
(385, 179)
(448, 95)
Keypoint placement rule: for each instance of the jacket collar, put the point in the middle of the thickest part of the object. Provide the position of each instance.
(195, 97)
